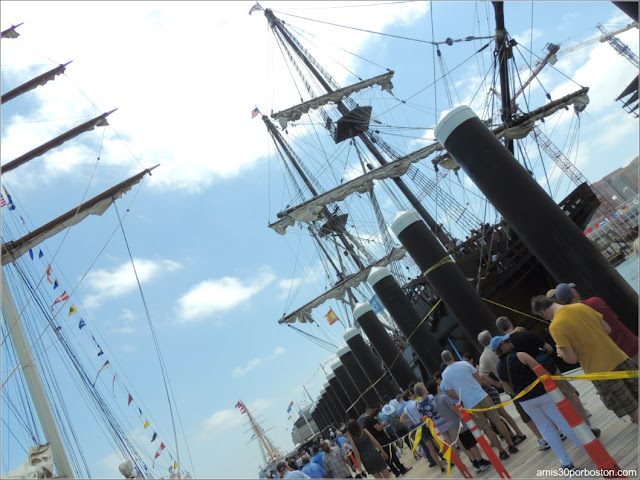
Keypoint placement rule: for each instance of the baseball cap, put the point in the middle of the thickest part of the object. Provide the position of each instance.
(563, 290)
(496, 341)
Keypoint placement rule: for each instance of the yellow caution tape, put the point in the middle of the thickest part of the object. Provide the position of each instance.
(417, 439)
(444, 261)
(441, 444)
(397, 356)
(589, 376)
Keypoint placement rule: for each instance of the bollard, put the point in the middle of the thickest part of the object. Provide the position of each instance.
(591, 444)
(491, 455)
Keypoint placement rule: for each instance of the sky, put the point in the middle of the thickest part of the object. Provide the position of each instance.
(184, 77)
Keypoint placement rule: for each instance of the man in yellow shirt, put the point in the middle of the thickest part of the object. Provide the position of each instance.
(581, 335)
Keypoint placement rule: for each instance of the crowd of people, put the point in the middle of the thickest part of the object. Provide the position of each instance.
(586, 332)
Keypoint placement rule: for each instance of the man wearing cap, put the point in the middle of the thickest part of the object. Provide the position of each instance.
(533, 345)
(488, 364)
(285, 472)
(460, 378)
(566, 294)
(581, 335)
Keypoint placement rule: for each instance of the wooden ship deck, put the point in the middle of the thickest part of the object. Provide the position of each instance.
(619, 437)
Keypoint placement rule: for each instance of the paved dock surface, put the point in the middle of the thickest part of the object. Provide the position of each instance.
(619, 437)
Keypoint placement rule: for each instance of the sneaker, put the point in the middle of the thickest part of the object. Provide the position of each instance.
(477, 469)
(406, 469)
(596, 432)
(518, 439)
(513, 449)
(563, 437)
(543, 445)
(504, 455)
(485, 465)
(569, 467)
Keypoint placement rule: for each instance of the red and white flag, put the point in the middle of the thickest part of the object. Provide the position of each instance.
(256, 8)
(158, 453)
(62, 298)
(49, 274)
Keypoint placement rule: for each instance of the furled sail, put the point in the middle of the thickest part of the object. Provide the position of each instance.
(311, 210)
(339, 290)
(96, 206)
(39, 464)
(294, 113)
(521, 126)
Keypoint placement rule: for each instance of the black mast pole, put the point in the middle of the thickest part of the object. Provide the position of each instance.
(274, 22)
(503, 50)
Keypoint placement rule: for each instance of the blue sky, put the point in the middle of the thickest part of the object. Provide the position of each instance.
(185, 78)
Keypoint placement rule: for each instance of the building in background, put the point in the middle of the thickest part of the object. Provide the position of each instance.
(304, 427)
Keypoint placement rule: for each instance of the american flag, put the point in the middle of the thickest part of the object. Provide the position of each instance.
(254, 113)
(3, 202)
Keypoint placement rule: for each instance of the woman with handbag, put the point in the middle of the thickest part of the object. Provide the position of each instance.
(369, 453)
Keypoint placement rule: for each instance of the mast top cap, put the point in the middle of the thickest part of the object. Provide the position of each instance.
(403, 220)
(452, 120)
(350, 333)
(377, 274)
(342, 350)
(361, 309)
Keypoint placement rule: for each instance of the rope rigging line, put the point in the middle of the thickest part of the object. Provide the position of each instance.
(153, 333)
(467, 39)
(68, 229)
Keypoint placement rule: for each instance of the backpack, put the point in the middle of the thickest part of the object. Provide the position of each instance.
(394, 420)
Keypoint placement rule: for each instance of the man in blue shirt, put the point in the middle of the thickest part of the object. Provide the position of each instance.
(317, 456)
(312, 469)
(285, 472)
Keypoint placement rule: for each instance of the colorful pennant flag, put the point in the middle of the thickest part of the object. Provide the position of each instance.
(31, 253)
(72, 310)
(175, 465)
(158, 454)
(22, 220)
(3, 202)
(104, 367)
(55, 283)
(81, 324)
(49, 274)
(146, 423)
(155, 435)
(100, 352)
(40, 254)
(241, 406)
(139, 414)
(256, 8)
(62, 298)
(130, 400)
(331, 317)
(9, 201)
(113, 385)
(254, 113)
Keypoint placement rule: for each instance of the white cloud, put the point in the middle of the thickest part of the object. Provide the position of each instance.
(253, 363)
(213, 296)
(194, 124)
(126, 323)
(107, 284)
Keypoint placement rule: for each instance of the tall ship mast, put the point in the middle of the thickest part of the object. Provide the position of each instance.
(270, 453)
(347, 166)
